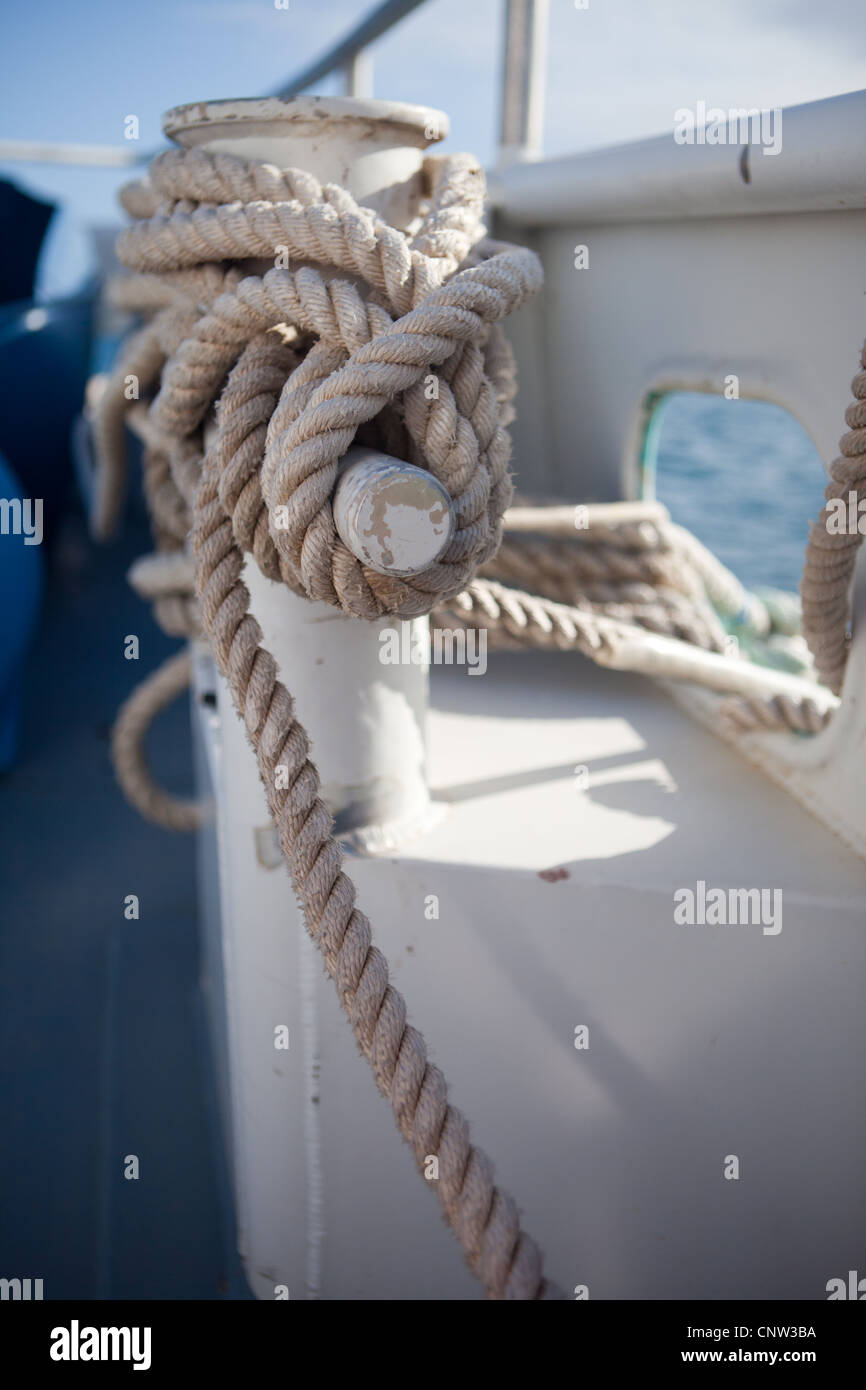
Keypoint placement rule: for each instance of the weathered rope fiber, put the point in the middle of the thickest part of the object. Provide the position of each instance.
(300, 363)
(484, 1218)
(155, 693)
(830, 557)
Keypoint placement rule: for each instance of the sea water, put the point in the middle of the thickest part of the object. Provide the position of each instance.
(746, 478)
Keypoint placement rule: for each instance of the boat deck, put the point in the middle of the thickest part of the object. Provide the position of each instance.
(576, 802)
(556, 911)
(103, 1041)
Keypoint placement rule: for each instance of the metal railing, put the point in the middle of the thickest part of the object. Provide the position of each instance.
(523, 69)
(521, 99)
(346, 55)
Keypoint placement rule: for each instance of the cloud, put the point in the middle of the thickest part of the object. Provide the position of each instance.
(619, 71)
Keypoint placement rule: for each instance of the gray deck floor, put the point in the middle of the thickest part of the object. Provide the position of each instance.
(102, 1033)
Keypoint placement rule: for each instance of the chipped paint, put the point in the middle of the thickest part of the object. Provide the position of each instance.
(396, 518)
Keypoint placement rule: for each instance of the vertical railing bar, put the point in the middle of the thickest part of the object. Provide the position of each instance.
(523, 79)
(358, 75)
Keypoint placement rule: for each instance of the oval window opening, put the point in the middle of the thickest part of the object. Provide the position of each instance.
(743, 475)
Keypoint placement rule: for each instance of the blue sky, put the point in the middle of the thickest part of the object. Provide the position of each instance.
(616, 71)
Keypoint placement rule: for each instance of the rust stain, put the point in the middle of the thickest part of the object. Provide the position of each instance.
(553, 875)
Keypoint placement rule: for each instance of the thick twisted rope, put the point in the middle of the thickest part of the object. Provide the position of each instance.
(155, 693)
(484, 1218)
(776, 714)
(831, 555)
(291, 402)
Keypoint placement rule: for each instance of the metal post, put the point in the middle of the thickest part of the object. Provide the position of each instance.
(358, 75)
(523, 73)
(365, 716)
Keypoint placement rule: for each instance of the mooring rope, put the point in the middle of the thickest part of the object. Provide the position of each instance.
(298, 363)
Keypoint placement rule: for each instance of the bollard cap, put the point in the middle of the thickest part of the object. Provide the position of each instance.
(394, 517)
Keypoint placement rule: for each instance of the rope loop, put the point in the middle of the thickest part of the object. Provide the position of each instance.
(392, 341)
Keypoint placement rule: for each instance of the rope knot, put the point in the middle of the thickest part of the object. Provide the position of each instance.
(370, 333)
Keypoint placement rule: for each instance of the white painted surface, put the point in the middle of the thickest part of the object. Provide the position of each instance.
(365, 717)
(704, 1041)
(667, 306)
(366, 146)
(820, 165)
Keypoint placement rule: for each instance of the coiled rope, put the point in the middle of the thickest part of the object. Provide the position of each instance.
(298, 363)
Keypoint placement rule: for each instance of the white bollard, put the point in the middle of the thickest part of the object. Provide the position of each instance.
(365, 719)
